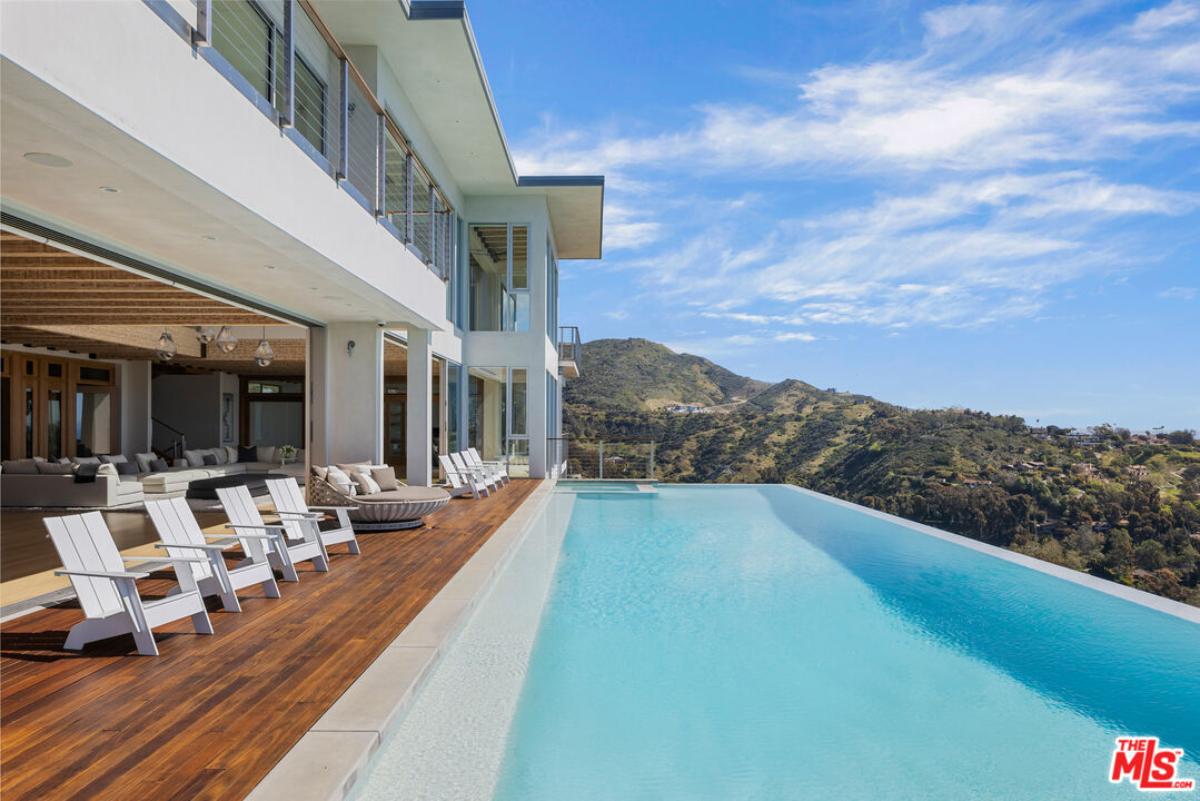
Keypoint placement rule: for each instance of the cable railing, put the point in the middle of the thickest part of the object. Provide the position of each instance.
(284, 53)
(599, 459)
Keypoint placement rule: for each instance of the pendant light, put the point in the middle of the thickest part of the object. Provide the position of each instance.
(205, 334)
(263, 354)
(225, 340)
(166, 347)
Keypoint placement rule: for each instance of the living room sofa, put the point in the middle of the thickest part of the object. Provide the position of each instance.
(62, 491)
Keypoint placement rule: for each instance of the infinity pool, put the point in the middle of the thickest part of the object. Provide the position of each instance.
(764, 643)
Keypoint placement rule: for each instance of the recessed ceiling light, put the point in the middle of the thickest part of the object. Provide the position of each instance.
(269, 266)
(208, 237)
(112, 189)
(48, 159)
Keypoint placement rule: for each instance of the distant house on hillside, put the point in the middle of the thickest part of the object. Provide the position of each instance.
(1138, 471)
(687, 408)
(1085, 469)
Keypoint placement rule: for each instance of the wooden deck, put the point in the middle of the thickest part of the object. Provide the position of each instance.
(211, 716)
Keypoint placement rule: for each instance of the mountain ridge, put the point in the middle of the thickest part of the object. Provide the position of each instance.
(1117, 505)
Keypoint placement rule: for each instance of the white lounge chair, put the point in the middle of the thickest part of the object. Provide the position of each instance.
(485, 476)
(289, 502)
(180, 533)
(292, 541)
(108, 593)
(461, 484)
(499, 468)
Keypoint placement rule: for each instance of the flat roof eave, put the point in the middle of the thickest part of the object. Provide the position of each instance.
(576, 207)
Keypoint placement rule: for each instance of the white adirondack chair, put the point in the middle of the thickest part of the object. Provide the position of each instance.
(292, 541)
(108, 593)
(499, 468)
(464, 469)
(460, 484)
(289, 502)
(181, 534)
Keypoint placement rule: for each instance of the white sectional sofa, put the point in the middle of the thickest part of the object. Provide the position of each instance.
(176, 479)
(63, 491)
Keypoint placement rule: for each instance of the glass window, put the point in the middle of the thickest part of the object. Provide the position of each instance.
(244, 37)
(520, 404)
(520, 257)
(54, 409)
(93, 422)
(310, 106)
(487, 406)
(453, 394)
(487, 249)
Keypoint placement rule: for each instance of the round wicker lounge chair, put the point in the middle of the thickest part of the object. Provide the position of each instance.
(390, 510)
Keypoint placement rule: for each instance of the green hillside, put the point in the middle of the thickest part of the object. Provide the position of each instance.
(1119, 506)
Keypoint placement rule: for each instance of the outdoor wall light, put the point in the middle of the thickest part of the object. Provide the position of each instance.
(166, 347)
(225, 340)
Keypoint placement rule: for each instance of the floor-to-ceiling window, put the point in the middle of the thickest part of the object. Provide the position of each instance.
(453, 407)
(498, 268)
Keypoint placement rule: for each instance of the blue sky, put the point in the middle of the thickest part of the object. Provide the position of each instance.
(985, 205)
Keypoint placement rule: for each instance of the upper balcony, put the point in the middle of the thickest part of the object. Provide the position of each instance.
(570, 351)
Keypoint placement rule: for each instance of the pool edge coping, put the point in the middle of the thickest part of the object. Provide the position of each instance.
(328, 760)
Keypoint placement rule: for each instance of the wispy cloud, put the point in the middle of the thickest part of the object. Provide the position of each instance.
(1180, 293)
(988, 153)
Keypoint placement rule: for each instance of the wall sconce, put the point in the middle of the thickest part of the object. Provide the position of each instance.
(350, 348)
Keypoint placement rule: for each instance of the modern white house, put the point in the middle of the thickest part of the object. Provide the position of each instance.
(236, 223)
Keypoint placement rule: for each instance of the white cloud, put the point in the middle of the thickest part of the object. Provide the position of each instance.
(1180, 293)
(795, 336)
(987, 149)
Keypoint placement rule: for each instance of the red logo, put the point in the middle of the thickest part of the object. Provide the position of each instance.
(1147, 766)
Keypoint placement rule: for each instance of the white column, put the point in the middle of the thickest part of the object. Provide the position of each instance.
(420, 407)
(135, 407)
(345, 376)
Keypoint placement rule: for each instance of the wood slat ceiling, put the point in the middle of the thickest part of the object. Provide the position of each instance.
(40, 284)
(53, 299)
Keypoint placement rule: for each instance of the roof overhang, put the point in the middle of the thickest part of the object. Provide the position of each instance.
(430, 45)
(576, 205)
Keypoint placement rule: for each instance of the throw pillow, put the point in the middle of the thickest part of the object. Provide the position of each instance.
(126, 469)
(266, 453)
(194, 458)
(144, 460)
(320, 472)
(385, 477)
(21, 467)
(230, 454)
(55, 469)
(106, 470)
(86, 459)
(339, 479)
(209, 459)
(249, 454)
(366, 484)
(86, 473)
(159, 466)
(116, 458)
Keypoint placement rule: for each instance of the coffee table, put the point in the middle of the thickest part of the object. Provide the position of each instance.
(205, 489)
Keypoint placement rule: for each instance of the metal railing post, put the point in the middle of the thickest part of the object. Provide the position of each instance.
(287, 114)
(202, 35)
(409, 228)
(380, 166)
(651, 476)
(601, 461)
(432, 225)
(343, 168)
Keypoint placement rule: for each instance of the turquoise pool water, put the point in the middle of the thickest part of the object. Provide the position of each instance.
(759, 643)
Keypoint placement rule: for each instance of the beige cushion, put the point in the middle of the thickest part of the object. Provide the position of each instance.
(21, 467)
(143, 461)
(230, 454)
(54, 469)
(385, 477)
(320, 472)
(106, 470)
(405, 495)
(266, 453)
(366, 484)
(194, 458)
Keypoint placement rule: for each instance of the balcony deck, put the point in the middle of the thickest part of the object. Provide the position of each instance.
(212, 715)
